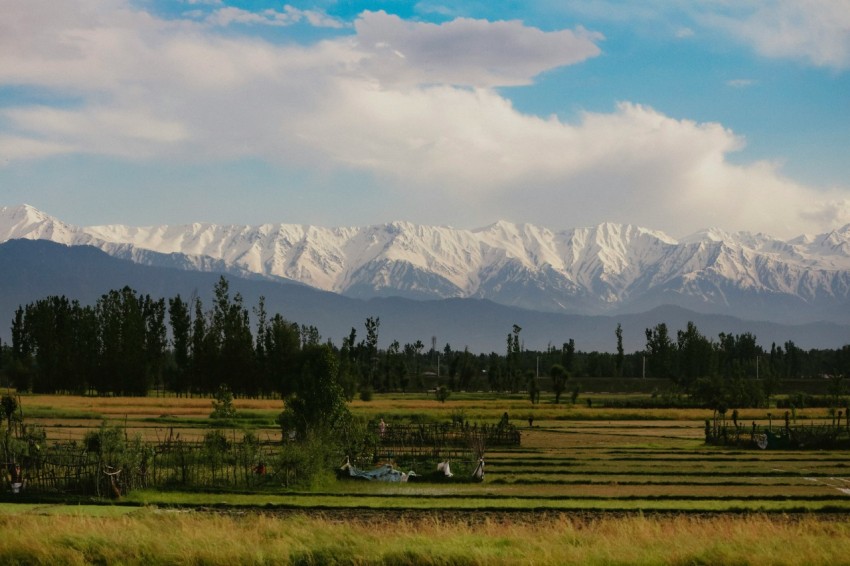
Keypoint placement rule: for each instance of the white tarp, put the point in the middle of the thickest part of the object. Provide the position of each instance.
(385, 473)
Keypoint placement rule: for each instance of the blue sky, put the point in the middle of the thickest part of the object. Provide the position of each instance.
(673, 115)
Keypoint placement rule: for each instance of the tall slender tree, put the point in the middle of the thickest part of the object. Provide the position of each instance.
(180, 320)
(621, 356)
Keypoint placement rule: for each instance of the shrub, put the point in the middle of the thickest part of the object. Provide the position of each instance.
(223, 403)
(307, 463)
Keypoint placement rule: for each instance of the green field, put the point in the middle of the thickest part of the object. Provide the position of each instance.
(640, 483)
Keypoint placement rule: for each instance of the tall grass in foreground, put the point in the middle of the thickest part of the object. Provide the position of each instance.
(152, 537)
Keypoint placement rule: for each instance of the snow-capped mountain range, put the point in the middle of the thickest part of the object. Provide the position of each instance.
(604, 269)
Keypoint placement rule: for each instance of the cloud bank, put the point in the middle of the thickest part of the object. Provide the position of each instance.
(414, 105)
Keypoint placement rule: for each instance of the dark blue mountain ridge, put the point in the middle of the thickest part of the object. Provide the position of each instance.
(34, 269)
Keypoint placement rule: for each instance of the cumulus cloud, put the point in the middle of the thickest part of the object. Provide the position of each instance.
(413, 105)
(634, 165)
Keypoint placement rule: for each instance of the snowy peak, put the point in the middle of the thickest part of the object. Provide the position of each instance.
(591, 270)
(26, 222)
(836, 242)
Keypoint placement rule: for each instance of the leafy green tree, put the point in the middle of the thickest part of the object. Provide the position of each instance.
(129, 351)
(310, 335)
(391, 361)
(204, 351)
(559, 380)
(317, 402)
(414, 351)
(660, 351)
(696, 355)
(156, 339)
(568, 354)
(222, 403)
(513, 358)
(20, 361)
(282, 351)
(348, 365)
(620, 352)
(85, 349)
(793, 360)
(532, 387)
(371, 352)
(231, 326)
(50, 329)
(468, 369)
(495, 372)
(180, 321)
(9, 405)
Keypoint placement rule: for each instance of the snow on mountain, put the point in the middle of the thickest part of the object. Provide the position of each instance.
(607, 268)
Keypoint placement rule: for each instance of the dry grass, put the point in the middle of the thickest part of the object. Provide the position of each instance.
(152, 537)
(120, 406)
(66, 417)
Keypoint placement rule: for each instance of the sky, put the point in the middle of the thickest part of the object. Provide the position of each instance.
(676, 115)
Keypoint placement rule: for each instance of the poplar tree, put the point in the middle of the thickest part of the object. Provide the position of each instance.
(180, 319)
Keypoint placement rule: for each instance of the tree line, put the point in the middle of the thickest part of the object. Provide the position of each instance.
(131, 344)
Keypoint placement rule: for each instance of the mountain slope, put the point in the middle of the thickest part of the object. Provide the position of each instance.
(605, 269)
(32, 270)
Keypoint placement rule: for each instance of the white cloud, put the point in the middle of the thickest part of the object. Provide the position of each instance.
(14, 148)
(410, 104)
(436, 8)
(290, 15)
(635, 165)
(740, 83)
(817, 31)
(105, 131)
(465, 51)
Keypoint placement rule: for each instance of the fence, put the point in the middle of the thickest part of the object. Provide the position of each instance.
(824, 435)
(76, 468)
(445, 441)
(108, 464)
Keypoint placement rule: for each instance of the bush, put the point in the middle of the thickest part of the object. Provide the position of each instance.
(442, 392)
(309, 463)
(223, 403)
(105, 440)
(9, 405)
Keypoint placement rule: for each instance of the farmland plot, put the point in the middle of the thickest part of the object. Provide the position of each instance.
(602, 458)
(582, 487)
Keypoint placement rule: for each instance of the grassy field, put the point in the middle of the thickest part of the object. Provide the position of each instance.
(71, 417)
(153, 536)
(587, 486)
